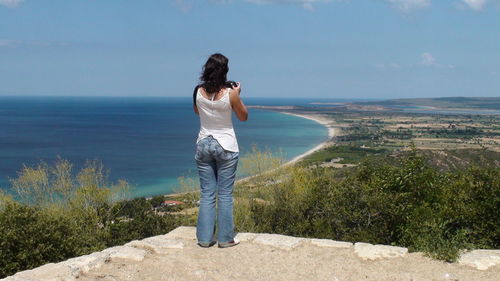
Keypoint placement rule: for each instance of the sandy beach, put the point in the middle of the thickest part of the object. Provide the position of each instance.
(329, 124)
(332, 131)
(314, 117)
(321, 120)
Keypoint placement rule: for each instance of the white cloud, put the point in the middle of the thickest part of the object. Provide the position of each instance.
(306, 4)
(221, 1)
(287, 1)
(183, 5)
(404, 6)
(476, 5)
(9, 43)
(10, 3)
(392, 66)
(428, 60)
(409, 5)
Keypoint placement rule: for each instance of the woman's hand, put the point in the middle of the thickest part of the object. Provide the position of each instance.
(237, 104)
(237, 88)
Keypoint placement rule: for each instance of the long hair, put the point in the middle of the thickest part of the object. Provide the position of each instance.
(213, 77)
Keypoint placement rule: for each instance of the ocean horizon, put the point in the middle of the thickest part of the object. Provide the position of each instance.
(148, 141)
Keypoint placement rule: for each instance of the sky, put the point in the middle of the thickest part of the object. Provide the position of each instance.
(276, 48)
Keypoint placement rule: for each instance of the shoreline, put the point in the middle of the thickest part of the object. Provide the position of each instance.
(314, 117)
(320, 120)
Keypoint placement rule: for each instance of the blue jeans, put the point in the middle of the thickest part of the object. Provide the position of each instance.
(217, 171)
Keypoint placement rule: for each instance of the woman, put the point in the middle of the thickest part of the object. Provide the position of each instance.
(217, 151)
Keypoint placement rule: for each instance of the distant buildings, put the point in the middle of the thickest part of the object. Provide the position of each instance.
(170, 203)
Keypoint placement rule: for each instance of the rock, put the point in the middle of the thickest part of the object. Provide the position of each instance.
(330, 243)
(158, 244)
(245, 236)
(67, 270)
(372, 252)
(182, 232)
(15, 278)
(84, 264)
(480, 259)
(125, 252)
(108, 278)
(165, 242)
(47, 272)
(278, 241)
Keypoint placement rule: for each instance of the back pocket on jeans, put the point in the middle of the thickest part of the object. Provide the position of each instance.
(227, 155)
(198, 153)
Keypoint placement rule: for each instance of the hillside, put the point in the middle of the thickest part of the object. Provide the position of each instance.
(445, 102)
(446, 160)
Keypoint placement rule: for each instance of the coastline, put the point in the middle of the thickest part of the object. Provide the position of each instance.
(314, 117)
(328, 124)
(318, 119)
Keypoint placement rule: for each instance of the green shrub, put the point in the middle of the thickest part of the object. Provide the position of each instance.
(141, 226)
(349, 153)
(61, 215)
(156, 201)
(31, 237)
(258, 161)
(401, 201)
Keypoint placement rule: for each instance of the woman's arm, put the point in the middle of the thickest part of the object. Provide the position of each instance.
(237, 104)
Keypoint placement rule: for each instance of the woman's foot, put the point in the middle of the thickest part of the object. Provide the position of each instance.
(231, 243)
(206, 245)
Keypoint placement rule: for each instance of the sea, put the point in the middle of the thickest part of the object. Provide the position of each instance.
(147, 141)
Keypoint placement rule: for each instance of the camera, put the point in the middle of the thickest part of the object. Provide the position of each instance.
(231, 84)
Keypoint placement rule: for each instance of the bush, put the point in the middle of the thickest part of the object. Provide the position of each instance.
(31, 237)
(349, 153)
(141, 226)
(156, 201)
(400, 202)
(62, 215)
(259, 161)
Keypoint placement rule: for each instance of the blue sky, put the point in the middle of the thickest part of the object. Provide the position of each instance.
(276, 48)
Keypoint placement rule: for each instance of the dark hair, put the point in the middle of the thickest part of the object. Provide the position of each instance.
(213, 77)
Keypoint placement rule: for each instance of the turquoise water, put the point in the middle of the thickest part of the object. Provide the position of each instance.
(149, 142)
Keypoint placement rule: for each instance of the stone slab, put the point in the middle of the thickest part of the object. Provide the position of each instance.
(182, 232)
(158, 245)
(330, 243)
(278, 241)
(244, 236)
(372, 252)
(165, 242)
(480, 259)
(67, 270)
(125, 253)
(15, 278)
(47, 272)
(84, 264)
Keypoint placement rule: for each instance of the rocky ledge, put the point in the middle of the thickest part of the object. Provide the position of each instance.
(175, 256)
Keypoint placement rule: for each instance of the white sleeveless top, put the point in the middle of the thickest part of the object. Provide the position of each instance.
(215, 120)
